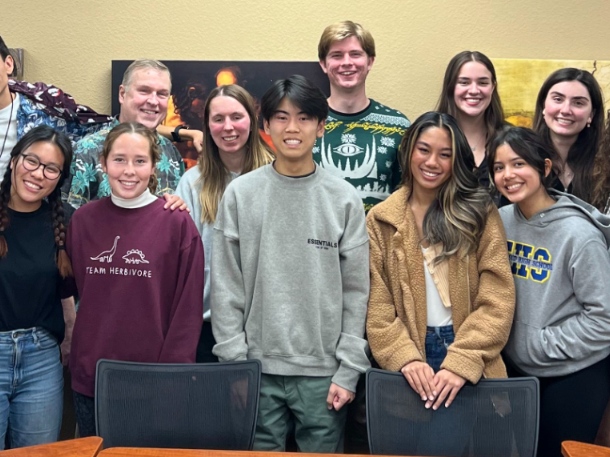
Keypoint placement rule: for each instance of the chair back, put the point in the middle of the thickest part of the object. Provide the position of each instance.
(496, 417)
(191, 406)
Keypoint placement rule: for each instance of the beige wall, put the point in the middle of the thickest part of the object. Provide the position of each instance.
(71, 42)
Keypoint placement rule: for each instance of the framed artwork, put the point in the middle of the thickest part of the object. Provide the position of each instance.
(192, 81)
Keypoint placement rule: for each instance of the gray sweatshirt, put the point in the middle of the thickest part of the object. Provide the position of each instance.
(188, 189)
(290, 275)
(561, 265)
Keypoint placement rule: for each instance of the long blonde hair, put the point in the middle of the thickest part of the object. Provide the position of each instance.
(213, 172)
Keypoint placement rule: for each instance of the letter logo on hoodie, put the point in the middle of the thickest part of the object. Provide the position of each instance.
(529, 262)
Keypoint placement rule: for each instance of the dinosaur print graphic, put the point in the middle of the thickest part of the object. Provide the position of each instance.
(106, 256)
(135, 256)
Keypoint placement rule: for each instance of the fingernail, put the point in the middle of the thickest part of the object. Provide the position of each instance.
(427, 405)
(424, 398)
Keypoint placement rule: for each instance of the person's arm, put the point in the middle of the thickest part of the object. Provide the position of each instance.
(196, 136)
(69, 310)
(388, 336)
(180, 344)
(227, 296)
(485, 331)
(390, 341)
(351, 351)
(588, 332)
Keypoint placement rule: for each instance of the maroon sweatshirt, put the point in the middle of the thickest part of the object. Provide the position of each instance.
(139, 274)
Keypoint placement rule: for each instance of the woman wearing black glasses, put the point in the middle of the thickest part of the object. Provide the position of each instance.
(33, 266)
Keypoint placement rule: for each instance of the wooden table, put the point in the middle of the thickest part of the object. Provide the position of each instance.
(576, 449)
(80, 447)
(153, 452)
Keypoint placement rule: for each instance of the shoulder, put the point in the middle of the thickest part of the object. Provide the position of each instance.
(388, 113)
(331, 181)
(393, 209)
(91, 144)
(190, 178)
(250, 180)
(91, 209)
(167, 147)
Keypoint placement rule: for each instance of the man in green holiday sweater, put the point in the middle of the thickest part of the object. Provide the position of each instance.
(362, 136)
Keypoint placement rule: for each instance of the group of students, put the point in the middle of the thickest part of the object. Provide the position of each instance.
(449, 288)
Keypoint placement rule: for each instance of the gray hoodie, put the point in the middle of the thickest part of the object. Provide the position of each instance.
(561, 265)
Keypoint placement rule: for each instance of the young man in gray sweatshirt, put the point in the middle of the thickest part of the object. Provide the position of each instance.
(290, 278)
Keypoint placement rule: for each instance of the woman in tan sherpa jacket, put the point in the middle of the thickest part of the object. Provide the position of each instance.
(439, 220)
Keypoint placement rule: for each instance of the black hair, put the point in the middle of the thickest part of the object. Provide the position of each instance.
(528, 145)
(4, 53)
(46, 134)
(301, 92)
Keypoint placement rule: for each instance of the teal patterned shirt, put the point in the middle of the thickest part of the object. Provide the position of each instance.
(89, 182)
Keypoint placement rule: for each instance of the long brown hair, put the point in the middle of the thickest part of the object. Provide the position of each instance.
(214, 174)
(494, 114)
(585, 157)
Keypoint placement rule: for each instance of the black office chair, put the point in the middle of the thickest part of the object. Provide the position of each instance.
(496, 417)
(191, 406)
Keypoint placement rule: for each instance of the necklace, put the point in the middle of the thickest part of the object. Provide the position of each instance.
(474, 146)
(10, 119)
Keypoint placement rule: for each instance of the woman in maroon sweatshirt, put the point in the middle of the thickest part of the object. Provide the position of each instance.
(138, 270)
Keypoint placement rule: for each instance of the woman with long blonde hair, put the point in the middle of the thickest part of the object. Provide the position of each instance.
(232, 146)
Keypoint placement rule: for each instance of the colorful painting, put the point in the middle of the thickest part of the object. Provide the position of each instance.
(519, 81)
(193, 80)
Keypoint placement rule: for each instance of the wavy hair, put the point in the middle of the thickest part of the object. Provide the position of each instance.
(213, 173)
(458, 215)
(585, 157)
(40, 134)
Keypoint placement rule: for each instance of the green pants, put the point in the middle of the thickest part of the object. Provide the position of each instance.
(298, 400)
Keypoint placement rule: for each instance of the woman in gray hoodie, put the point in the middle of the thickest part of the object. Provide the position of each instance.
(558, 250)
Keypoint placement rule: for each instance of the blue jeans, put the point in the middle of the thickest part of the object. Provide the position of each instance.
(31, 387)
(438, 340)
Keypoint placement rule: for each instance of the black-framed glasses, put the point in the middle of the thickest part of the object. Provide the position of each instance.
(33, 163)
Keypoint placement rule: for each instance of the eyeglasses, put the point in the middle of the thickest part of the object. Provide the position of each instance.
(32, 163)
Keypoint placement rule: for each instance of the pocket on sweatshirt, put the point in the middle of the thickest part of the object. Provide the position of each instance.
(526, 348)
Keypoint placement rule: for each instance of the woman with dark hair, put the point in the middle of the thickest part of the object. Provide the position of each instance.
(442, 295)
(558, 247)
(33, 262)
(232, 146)
(138, 270)
(470, 95)
(570, 118)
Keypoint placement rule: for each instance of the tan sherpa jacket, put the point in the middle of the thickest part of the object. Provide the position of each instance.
(481, 288)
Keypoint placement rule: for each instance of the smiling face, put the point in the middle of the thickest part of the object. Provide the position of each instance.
(347, 64)
(229, 125)
(567, 109)
(473, 89)
(29, 188)
(145, 98)
(516, 179)
(431, 160)
(293, 133)
(129, 165)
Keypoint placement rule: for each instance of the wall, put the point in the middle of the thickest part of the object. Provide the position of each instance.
(71, 43)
